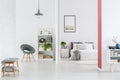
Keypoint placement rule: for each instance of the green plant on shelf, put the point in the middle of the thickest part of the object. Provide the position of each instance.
(47, 46)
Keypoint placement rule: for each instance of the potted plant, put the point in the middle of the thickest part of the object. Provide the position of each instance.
(63, 43)
(47, 46)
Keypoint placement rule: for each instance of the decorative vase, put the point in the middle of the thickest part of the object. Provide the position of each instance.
(117, 46)
(41, 48)
(49, 49)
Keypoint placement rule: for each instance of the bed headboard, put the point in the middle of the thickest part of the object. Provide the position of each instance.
(71, 44)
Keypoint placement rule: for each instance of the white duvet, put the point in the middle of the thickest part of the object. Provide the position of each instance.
(87, 54)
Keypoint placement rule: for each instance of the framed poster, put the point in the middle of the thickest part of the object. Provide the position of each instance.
(69, 23)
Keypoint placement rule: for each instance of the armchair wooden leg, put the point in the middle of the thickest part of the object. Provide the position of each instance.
(33, 57)
(23, 57)
(29, 57)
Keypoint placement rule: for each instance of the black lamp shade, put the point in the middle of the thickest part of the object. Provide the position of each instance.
(38, 13)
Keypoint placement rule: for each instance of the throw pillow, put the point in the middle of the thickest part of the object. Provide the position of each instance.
(79, 46)
(88, 46)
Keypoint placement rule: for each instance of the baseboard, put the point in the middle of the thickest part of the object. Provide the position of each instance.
(99, 69)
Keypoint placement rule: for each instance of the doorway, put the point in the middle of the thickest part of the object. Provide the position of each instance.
(86, 29)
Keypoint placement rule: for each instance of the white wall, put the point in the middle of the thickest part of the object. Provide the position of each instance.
(86, 20)
(28, 25)
(7, 29)
(110, 28)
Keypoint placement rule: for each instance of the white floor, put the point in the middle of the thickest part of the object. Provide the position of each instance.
(67, 70)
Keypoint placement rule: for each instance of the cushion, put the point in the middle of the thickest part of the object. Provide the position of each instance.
(26, 50)
(9, 60)
(88, 46)
(79, 46)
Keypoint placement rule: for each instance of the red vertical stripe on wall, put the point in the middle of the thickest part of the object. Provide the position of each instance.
(100, 34)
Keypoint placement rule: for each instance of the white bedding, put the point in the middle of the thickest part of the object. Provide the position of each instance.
(87, 54)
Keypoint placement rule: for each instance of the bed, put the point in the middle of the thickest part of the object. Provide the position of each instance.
(86, 50)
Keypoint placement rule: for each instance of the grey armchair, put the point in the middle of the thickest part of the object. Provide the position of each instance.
(27, 50)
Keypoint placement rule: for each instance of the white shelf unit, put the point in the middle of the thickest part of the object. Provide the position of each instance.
(48, 39)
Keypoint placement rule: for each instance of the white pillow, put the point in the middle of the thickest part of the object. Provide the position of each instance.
(88, 46)
(79, 46)
(26, 50)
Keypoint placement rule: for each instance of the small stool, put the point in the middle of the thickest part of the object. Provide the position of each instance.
(9, 65)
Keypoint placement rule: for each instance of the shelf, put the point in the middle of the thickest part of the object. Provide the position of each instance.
(47, 51)
(115, 57)
(45, 35)
(44, 43)
(48, 40)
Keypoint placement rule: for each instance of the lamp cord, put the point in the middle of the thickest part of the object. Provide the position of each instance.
(38, 4)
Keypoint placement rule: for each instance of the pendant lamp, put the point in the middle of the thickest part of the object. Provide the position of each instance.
(38, 11)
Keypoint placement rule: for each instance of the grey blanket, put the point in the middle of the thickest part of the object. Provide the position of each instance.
(76, 55)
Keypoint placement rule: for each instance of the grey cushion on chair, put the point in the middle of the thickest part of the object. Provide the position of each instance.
(27, 49)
